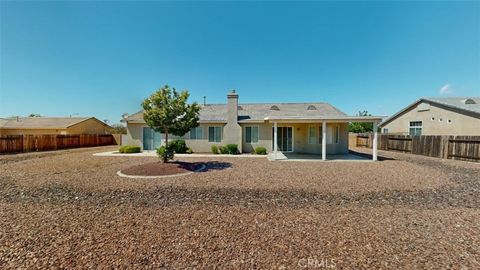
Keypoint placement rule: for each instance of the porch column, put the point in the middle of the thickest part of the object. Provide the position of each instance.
(324, 140)
(275, 140)
(374, 144)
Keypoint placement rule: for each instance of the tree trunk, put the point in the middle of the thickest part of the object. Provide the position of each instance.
(166, 138)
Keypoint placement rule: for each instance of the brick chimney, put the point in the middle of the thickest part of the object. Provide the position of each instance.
(232, 131)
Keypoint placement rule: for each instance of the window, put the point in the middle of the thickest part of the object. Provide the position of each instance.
(320, 134)
(449, 121)
(312, 135)
(196, 133)
(251, 134)
(415, 128)
(336, 131)
(214, 134)
(433, 118)
(385, 131)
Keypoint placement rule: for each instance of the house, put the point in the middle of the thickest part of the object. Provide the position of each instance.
(53, 125)
(314, 128)
(436, 116)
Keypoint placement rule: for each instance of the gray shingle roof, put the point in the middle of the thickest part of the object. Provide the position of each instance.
(457, 103)
(41, 122)
(260, 111)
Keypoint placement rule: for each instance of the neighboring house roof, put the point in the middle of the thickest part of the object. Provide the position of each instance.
(259, 112)
(467, 105)
(42, 122)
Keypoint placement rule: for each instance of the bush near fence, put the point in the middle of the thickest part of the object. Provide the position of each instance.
(448, 147)
(44, 142)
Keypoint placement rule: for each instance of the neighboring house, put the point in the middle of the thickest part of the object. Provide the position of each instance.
(436, 116)
(53, 125)
(300, 127)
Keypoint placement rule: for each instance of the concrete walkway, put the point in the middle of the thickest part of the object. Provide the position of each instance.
(151, 153)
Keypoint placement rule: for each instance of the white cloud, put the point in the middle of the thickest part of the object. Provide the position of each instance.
(446, 89)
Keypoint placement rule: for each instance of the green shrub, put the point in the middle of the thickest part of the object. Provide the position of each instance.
(223, 150)
(260, 150)
(178, 146)
(165, 153)
(189, 151)
(128, 149)
(214, 149)
(232, 149)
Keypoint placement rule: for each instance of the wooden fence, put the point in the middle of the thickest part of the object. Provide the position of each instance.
(451, 147)
(31, 143)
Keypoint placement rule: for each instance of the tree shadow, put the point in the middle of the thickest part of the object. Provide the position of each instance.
(369, 156)
(209, 165)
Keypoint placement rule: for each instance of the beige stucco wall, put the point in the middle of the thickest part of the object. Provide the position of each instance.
(461, 124)
(134, 135)
(300, 136)
(90, 126)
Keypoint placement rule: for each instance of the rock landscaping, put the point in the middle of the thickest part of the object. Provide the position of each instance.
(70, 210)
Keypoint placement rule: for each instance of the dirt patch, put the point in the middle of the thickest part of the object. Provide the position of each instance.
(162, 169)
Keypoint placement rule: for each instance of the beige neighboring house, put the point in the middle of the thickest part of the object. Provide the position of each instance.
(436, 116)
(53, 125)
(314, 128)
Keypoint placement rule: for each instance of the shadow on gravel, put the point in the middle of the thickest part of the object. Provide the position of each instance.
(381, 158)
(216, 166)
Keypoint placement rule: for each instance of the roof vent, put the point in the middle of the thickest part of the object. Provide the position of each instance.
(469, 101)
(240, 108)
(274, 108)
(311, 108)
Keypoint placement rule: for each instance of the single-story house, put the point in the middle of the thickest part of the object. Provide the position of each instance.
(313, 128)
(53, 125)
(436, 116)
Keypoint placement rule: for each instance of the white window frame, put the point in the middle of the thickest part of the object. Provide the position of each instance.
(336, 134)
(415, 127)
(215, 133)
(315, 137)
(196, 131)
(251, 134)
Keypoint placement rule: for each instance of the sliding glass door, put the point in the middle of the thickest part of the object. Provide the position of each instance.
(151, 139)
(284, 139)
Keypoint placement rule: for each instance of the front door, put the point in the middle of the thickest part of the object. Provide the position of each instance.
(284, 139)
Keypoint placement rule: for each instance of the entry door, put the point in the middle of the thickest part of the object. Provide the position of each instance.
(284, 139)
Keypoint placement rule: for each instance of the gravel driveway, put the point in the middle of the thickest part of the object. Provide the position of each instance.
(69, 209)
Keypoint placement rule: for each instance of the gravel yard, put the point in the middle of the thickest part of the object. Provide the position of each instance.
(69, 209)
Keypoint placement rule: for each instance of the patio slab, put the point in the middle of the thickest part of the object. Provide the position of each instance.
(315, 157)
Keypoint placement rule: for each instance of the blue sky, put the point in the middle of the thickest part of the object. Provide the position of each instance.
(104, 58)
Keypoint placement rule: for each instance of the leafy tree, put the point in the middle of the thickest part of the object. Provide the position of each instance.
(361, 127)
(119, 129)
(34, 115)
(167, 111)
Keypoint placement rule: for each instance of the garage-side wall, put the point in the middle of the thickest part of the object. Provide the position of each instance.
(134, 135)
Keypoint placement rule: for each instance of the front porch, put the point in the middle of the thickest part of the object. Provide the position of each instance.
(316, 157)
